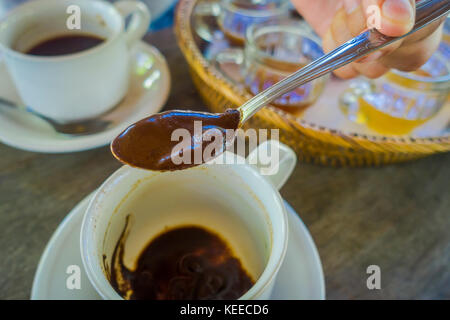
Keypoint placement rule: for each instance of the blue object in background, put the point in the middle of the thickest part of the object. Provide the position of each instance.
(162, 11)
(165, 20)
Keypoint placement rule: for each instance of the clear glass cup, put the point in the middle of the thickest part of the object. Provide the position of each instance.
(235, 16)
(272, 52)
(398, 102)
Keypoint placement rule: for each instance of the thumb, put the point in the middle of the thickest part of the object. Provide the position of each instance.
(397, 17)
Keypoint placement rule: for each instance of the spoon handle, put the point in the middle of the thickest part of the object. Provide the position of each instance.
(7, 103)
(427, 11)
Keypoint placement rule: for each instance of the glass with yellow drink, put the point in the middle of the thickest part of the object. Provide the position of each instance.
(399, 102)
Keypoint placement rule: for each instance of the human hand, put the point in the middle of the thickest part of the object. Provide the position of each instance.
(337, 21)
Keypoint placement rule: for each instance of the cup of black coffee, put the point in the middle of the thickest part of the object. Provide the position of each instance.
(69, 58)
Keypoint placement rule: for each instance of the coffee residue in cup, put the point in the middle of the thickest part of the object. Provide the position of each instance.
(184, 263)
(148, 143)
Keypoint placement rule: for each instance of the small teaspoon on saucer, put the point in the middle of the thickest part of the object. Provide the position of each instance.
(78, 128)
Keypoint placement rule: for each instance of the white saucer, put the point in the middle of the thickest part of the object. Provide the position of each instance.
(300, 276)
(148, 92)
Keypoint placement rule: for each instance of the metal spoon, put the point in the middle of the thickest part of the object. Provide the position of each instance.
(145, 144)
(78, 128)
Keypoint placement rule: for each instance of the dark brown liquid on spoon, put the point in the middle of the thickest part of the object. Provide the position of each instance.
(185, 263)
(149, 144)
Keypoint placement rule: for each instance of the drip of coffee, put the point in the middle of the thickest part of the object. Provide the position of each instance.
(65, 44)
(149, 143)
(184, 263)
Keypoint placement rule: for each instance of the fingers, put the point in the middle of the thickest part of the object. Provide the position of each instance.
(397, 17)
(339, 27)
(317, 13)
(349, 21)
(412, 55)
(372, 69)
(380, 53)
(337, 34)
(346, 72)
(355, 16)
(425, 32)
(391, 17)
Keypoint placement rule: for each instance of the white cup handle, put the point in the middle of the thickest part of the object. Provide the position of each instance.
(279, 173)
(140, 19)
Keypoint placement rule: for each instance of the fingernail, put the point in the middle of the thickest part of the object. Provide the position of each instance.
(339, 6)
(351, 5)
(398, 10)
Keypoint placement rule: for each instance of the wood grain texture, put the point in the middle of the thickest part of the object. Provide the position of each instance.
(397, 217)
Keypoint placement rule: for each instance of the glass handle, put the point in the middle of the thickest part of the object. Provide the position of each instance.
(234, 55)
(202, 11)
(230, 55)
(350, 99)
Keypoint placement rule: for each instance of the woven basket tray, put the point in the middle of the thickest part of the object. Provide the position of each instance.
(312, 142)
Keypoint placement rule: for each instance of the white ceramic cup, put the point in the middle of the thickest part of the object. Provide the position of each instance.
(78, 86)
(234, 200)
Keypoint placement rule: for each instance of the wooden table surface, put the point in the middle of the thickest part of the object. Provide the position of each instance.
(396, 217)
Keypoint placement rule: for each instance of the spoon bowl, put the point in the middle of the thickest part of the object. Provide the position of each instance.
(176, 140)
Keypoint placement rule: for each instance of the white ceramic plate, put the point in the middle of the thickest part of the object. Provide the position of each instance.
(148, 92)
(300, 276)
